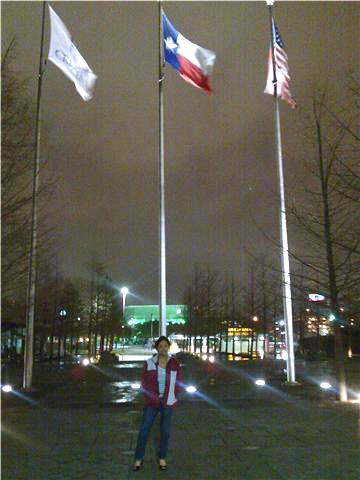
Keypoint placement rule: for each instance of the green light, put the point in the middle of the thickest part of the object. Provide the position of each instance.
(150, 313)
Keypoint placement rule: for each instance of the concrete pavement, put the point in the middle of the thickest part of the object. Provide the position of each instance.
(232, 430)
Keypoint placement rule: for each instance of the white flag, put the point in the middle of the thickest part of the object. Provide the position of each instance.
(67, 57)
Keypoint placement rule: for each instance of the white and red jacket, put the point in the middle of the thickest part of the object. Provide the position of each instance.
(150, 386)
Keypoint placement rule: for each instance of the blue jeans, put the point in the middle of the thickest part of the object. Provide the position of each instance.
(147, 422)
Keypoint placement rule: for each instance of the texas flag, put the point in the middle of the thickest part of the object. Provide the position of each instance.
(194, 64)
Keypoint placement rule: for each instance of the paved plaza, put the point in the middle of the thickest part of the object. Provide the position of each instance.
(231, 430)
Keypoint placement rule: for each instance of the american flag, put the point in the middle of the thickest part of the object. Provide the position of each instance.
(282, 71)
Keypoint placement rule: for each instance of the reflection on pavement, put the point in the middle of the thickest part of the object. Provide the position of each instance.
(120, 392)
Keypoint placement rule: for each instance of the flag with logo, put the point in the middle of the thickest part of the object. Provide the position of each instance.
(281, 69)
(193, 63)
(64, 54)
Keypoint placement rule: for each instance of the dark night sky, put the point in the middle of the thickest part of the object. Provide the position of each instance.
(219, 151)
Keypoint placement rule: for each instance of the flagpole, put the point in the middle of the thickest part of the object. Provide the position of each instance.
(286, 286)
(31, 290)
(162, 269)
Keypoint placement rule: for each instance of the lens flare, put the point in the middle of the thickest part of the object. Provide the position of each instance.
(260, 383)
(191, 389)
(325, 385)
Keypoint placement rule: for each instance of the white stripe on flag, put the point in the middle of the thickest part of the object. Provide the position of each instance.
(64, 54)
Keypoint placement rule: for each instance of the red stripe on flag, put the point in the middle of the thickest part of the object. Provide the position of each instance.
(193, 75)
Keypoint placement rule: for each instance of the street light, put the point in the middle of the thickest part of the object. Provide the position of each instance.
(62, 314)
(260, 382)
(124, 291)
(151, 326)
(191, 389)
(325, 385)
(6, 388)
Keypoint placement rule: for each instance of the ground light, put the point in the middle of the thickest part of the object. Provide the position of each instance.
(204, 357)
(6, 388)
(325, 385)
(191, 389)
(86, 362)
(260, 383)
(135, 386)
(212, 359)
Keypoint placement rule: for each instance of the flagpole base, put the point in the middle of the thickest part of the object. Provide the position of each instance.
(292, 384)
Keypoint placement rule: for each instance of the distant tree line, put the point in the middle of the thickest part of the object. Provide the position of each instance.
(77, 317)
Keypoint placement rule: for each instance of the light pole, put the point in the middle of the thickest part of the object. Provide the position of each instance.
(124, 291)
(316, 298)
(152, 325)
(62, 314)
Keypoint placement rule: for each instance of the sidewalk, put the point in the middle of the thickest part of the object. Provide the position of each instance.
(232, 431)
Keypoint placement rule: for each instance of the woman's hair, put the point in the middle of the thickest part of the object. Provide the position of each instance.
(160, 339)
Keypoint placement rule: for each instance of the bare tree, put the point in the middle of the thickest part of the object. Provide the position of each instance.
(203, 307)
(16, 170)
(102, 309)
(17, 124)
(327, 216)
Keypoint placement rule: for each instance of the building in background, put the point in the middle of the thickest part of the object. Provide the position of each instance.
(144, 319)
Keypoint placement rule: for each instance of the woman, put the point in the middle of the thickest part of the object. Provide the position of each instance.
(161, 381)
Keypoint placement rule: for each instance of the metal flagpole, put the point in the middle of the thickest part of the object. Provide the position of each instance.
(286, 287)
(31, 290)
(162, 270)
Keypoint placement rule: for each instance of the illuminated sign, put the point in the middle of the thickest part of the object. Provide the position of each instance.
(316, 297)
(240, 331)
(137, 315)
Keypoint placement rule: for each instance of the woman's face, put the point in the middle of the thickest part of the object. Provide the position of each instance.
(163, 347)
